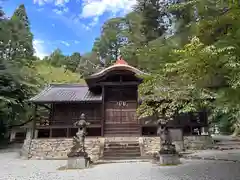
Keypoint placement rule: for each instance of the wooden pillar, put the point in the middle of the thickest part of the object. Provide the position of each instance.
(51, 114)
(50, 133)
(103, 111)
(34, 121)
(67, 132)
(137, 99)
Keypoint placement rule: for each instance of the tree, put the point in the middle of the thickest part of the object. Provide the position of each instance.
(153, 13)
(49, 74)
(89, 64)
(206, 68)
(17, 82)
(111, 40)
(72, 62)
(56, 59)
(20, 18)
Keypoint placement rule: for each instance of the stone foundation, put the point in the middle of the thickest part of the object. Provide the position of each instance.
(169, 159)
(197, 142)
(151, 145)
(58, 148)
(76, 163)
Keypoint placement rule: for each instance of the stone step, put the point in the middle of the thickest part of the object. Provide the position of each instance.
(111, 144)
(136, 160)
(115, 148)
(120, 135)
(122, 149)
(121, 132)
(121, 129)
(126, 153)
(225, 147)
(122, 158)
(229, 144)
(117, 141)
(122, 125)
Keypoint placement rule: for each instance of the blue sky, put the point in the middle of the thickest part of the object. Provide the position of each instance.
(71, 25)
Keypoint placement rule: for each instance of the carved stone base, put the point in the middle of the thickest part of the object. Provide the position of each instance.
(77, 154)
(169, 159)
(168, 149)
(76, 163)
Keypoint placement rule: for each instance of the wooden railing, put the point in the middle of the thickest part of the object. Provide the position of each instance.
(45, 122)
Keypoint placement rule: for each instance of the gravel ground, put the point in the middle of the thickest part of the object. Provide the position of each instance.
(229, 155)
(13, 168)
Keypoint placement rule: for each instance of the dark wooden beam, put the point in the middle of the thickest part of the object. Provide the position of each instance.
(44, 105)
(118, 83)
(51, 114)
(50, 134)
(103, 111)
(67, 132)
(34, 121)
(66, 126)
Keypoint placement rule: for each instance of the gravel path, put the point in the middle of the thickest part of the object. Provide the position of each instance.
(226, 155)
(13, 168)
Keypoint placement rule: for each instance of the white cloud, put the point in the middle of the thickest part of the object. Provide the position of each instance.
(65, 9)
(60, 10)
(40, 9)
(72, 22)
(76, 42)
(94, 22)
(95, 8)
(61, 2)
(39, 47)
(86, 27)
(55, 2)
(57, 11)
(65, 43)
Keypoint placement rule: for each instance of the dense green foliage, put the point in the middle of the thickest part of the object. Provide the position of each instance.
(22, 74)
(190, 48)
(202, 69)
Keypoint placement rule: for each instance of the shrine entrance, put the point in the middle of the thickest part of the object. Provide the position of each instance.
(120, 111)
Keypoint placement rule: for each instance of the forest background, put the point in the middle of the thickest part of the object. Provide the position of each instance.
(191, 48)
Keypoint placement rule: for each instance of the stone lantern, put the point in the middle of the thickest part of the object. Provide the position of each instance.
(167, 154)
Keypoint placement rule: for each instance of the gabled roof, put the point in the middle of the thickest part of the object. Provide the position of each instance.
(66, 93)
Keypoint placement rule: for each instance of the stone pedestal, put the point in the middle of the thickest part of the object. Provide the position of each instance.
(76, 163)
(168, 155)
(169, 159)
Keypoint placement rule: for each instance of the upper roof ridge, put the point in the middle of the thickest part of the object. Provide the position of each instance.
(67, 85)
(120, 60)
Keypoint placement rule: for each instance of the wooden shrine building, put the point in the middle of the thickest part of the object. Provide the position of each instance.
(109, 101)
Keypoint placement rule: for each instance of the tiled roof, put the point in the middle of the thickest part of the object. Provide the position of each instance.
(66, 93)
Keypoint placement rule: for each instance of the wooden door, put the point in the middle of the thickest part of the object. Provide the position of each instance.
(120, 112)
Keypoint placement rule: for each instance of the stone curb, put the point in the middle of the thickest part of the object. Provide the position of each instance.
(209, 158)
(121, 161)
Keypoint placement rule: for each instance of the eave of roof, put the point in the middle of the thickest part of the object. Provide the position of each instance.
(66, 93)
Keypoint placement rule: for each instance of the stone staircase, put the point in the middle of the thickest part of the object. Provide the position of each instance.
(120, 130)
(226, 143)
(122, 149)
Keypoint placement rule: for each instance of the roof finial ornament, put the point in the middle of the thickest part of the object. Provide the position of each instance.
(120, 57)
(120, 60)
